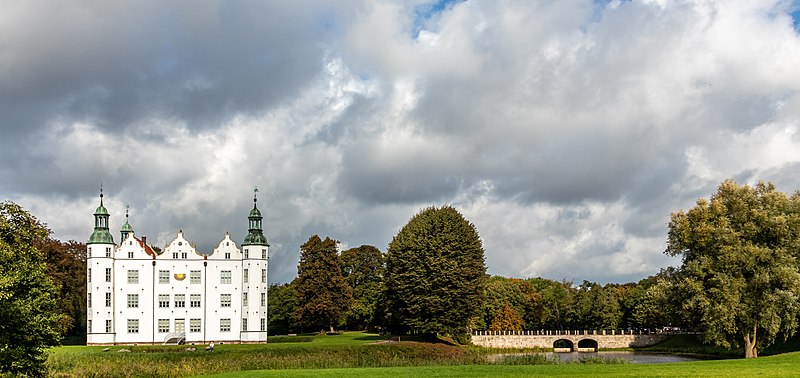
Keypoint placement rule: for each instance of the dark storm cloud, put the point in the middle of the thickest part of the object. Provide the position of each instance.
(118, 65)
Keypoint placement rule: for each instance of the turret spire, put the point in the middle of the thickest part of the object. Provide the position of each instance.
(126, 228)
(255, 236)
(101, 234)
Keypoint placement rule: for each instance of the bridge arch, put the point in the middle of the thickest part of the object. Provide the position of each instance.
(563, 345)
(587, 345)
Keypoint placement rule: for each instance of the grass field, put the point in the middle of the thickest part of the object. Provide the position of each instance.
(357, 354)
(785, 365)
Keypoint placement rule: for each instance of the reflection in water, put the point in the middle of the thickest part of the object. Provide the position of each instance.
(630, 357)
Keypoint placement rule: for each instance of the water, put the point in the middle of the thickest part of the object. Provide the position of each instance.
(630, 357)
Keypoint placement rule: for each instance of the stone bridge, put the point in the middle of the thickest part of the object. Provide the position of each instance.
(566, 341)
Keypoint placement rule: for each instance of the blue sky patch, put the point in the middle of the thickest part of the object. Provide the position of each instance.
(424, 12)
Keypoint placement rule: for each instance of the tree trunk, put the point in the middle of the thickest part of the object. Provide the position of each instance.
(750, 350)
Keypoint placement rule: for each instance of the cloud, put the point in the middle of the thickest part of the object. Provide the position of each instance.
(566, 131)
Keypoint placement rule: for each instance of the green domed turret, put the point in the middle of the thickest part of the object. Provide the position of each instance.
(101, 235)
(126, 228)
(255, 236)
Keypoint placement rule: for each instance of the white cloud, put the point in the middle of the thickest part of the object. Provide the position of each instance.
(567, 132)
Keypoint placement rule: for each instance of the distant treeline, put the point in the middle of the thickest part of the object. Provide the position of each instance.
(510, 304)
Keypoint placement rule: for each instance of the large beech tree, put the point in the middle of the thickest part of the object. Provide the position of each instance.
(322, 293)
(739, 275)
(435, 273)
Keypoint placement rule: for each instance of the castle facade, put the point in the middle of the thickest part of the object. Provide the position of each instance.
(136, 295)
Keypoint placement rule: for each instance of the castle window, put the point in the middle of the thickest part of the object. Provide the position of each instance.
(244, 324)
(224, 300)
(163, 276)
(133, 325)
(244, 299)
(263, 324)
(89, 325)
(89, 275)
(108, 326)
(194, 277)
(246, 253)
(264, 253)
(246, 275)
(224, 325)
(89, 300)
(108, 274)
(194, 325)
(184, 255)
(163, 300)
(163, 325)
(108, 299)
(194, 300)
(133, 300)
(227, 255)
(263, 299)
(263, 276)
(133, 276)
(130, 255)
(180, 300)
(174, 255)
(108, 251)
(225, 277)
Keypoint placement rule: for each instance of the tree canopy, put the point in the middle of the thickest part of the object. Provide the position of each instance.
(322, 293)
(435, 273)
(739, 274)
(362, 268)
(29, 320)
(64, 261)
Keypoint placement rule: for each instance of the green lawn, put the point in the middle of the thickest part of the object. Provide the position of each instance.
(356, 354)
(785, 365)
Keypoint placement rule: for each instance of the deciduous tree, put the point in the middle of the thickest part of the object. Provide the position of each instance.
(362, 268)
(282, 303)
(739, 268)
(29, 320)
(323, 295)
(435, 273)
(507, 319)
(65, 260)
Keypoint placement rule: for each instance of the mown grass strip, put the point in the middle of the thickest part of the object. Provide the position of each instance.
(774, 366)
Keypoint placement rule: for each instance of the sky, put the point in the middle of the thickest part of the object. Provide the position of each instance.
(567, 131)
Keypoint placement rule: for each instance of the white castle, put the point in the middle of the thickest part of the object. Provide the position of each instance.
(138, 296)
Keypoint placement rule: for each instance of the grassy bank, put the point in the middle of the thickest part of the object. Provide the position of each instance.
(348, 350)
(358, 354)
(691, 344)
